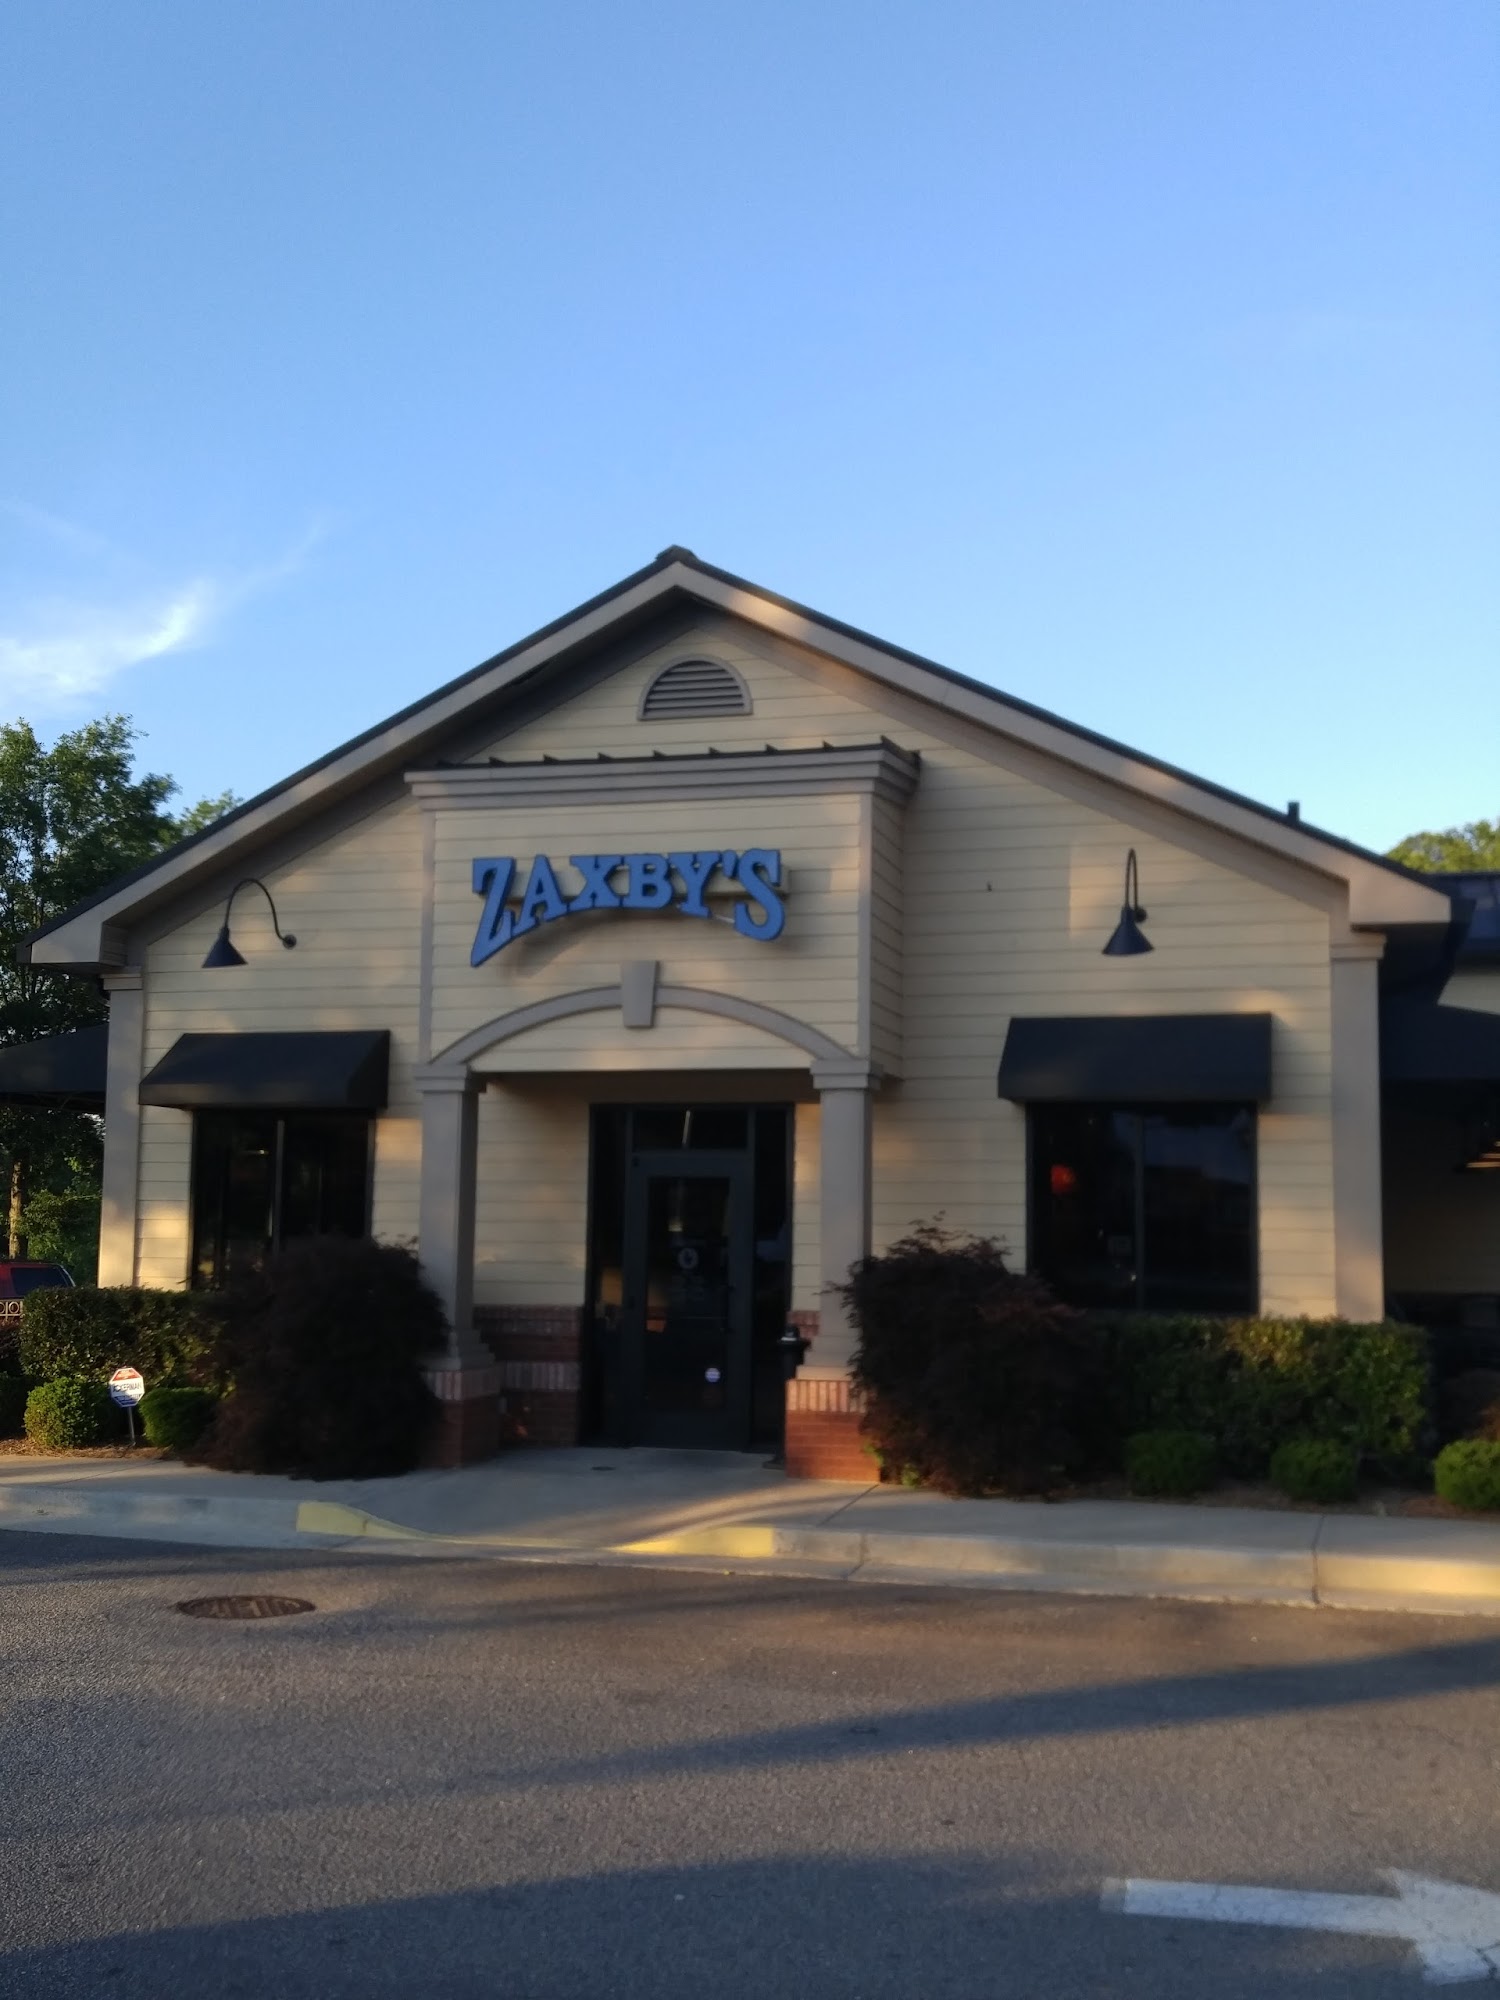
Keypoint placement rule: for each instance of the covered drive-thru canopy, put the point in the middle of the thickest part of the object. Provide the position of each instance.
(64, 1072)
(1423, 1042)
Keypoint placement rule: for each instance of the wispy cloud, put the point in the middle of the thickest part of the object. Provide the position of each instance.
(70, 650)
(63, 647)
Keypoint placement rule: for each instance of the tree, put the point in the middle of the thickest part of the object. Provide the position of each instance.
(1455, 851)
(204, 814)
(72, 817)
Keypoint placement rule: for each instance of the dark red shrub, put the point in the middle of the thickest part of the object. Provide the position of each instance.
(976, 1379)
(324, 1347)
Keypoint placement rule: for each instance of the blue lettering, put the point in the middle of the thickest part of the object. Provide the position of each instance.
(760, 871)
(491, 879)
(650, 886)
(596, 869)
(541, 900)
(653, 882)
(695, 870)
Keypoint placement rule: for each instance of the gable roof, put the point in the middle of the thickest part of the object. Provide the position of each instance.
(91, 936)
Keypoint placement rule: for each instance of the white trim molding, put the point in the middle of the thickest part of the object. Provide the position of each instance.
(883, 769)
(450, 1069)
(120, 1178)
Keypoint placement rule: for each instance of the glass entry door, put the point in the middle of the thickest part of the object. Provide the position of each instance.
(686, 1316)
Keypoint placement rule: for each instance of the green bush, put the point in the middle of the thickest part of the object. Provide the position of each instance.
(1469, 1405)
(1467, 1474)
(1321, 1469)
(14, 1389)
(70, 1414)
(325, 1347)
(93, 1329)
(173, 1419)
(1169, 1462)
(1252, 1383)
(975, 1379)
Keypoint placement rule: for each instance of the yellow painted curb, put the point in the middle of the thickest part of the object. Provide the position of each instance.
(749, 1541)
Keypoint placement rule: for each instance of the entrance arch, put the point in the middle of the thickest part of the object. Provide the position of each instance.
(449, 1089)
(454, 1061)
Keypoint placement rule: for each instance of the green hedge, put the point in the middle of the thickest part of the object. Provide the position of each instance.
(71, 1414)
(1317, 1469)
(173, 1419)
(1253, 1383)
(1467, 1474)
(91, 1330)
(1169, 1463)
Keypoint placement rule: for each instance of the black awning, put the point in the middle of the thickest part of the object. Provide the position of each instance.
(1421, 1042)
(309, 1072)
(62, 1070)
(1138, 1059)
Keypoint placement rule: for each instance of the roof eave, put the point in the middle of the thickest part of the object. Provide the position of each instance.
(1382, 894)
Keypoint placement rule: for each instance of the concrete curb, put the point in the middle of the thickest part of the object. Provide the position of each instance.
(1461, 1579)
(1314, 1577)
(238, 1522)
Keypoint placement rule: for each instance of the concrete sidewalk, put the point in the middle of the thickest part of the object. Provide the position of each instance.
(726, 1511)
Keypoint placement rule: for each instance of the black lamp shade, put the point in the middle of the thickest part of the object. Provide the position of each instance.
(221, 952)
(1128, 939)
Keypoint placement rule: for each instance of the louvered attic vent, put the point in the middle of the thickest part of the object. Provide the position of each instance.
(694, 687)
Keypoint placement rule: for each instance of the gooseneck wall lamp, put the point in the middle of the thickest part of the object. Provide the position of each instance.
(1129, 939)
(221, 951)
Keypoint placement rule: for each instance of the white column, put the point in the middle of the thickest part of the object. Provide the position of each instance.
(122, 1126)
(844, 1091)
(1359, 1246)
(450, 1125)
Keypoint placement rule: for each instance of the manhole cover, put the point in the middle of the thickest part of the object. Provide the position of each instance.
(245, 1607)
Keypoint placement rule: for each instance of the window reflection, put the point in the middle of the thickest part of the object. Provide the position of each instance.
(1146, 1206)
(261, 1178)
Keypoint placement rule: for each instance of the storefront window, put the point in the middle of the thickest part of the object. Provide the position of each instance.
(261, 1178)
(1145, 1206)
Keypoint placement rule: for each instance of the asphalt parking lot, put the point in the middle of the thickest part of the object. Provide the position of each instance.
(490, 1778)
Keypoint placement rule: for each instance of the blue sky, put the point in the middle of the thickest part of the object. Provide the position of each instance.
(1141, 359)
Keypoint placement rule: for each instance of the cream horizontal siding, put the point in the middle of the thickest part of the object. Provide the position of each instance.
(532, 1196)
(788, 710)
(353, 902)
(991, 895)
(1006, 893)
(810, 971)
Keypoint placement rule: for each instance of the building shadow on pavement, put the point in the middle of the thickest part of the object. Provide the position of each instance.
(803, 1926)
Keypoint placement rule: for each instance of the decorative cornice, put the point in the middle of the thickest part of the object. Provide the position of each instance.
(845, 1073)
(1366, 947)
(883, 769)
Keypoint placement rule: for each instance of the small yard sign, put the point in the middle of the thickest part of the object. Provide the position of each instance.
(127, 1388)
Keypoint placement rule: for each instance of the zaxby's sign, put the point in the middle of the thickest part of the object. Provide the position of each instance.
(626, 882)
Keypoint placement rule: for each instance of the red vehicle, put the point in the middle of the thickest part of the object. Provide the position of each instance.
(21, 1275)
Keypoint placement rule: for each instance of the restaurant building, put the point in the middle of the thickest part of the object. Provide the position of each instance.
(651, 973)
